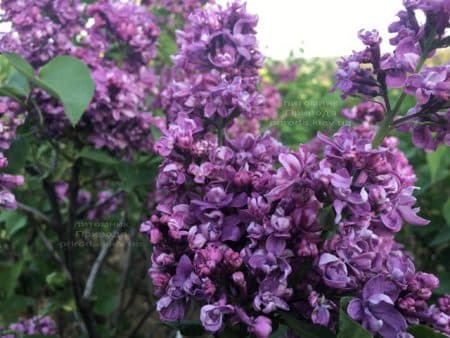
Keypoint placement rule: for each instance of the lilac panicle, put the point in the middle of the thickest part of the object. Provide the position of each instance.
(34, 326)
(9, 121)
(369, 73)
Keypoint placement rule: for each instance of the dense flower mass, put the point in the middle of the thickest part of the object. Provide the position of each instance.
(44, 326)
(246, 240)
(218, 61)
(242, 226)
(116, 40)
(9, 121)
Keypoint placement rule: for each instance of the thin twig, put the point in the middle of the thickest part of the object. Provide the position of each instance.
(53, 251)
(57, 221)
(98, 263)
(141, 322)
(124, 277)
(83, 307)
(34, 212)
(109, 199)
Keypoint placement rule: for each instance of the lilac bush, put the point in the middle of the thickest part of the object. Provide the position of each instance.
(248, 236)
(117, 41)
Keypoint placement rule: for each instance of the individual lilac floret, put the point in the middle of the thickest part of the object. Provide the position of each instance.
(211, 316)
(369, 111)
(432, 82)
(376, 308)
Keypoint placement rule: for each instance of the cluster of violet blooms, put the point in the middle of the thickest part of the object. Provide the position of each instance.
(246, 228)
(34, 326)
(369, 73)
(9, 121)
(117, 118)
(117, 40)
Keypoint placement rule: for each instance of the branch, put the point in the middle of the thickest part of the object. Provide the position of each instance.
(141, 322)
(52, 250)
(34, 212)
(83, 307)
(57, 221)
(124, 277)
(390, 115)
(98, 263)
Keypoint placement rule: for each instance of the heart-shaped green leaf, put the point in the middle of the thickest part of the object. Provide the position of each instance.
(71, 80)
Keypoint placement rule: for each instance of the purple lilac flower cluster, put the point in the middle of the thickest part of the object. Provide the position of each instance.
(371, 194)
(41, 29)
(9, 121)
(369, 73)
(218, 61)
(34, 326)
(211, 186)
(246, 240)
(116, 40)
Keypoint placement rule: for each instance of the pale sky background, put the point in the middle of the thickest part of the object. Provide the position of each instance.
(321, 27)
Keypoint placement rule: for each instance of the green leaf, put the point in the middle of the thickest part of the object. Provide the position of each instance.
(442, 237)
(133, 175)
(98, 156)
(304, 329)
(10, 275)
(71, 81)
(166, 47)
(17, 154)
(55, 279)
(65, 78)
(20, 64)
(444, 284)
(446, 211)
(12, 308)
(23, 67)
(14, 222)
(348, 328)
(16, 84)
(422, 331)
(281, 332)
(106, 306)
